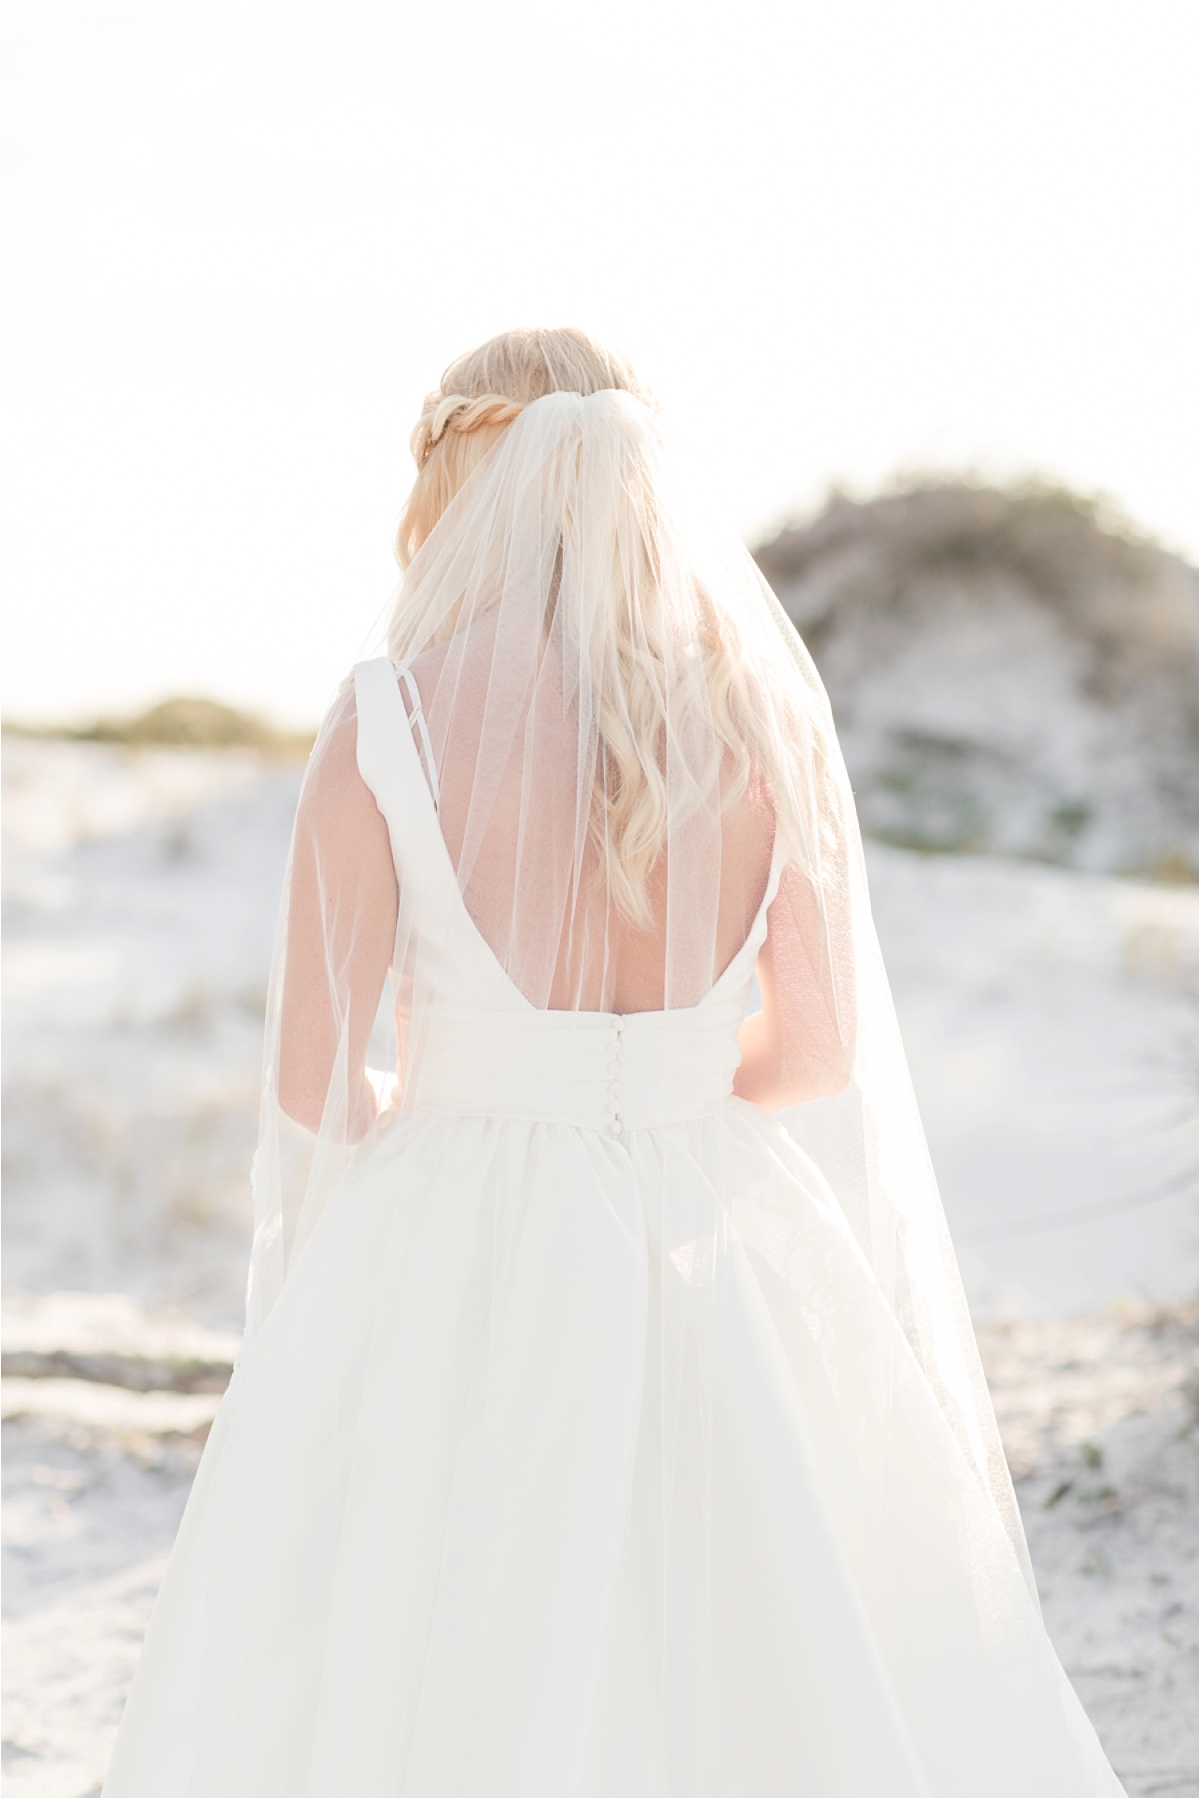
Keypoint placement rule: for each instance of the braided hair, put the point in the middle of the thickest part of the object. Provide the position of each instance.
(455, 412)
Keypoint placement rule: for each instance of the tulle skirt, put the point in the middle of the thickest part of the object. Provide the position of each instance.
(570, 1464)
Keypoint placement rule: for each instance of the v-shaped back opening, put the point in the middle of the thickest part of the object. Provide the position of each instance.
(434, 784)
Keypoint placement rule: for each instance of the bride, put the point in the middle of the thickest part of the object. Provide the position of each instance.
(609, 1418)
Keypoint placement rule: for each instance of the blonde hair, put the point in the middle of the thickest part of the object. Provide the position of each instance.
(480, 395)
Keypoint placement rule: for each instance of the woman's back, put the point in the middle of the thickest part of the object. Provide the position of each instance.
(565, 944)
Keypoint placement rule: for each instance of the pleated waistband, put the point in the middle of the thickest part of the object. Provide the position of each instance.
(602, 1071)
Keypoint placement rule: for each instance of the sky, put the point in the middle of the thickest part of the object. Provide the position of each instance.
(842, 242)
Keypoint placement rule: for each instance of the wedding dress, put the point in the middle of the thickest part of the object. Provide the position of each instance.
(597, 1431)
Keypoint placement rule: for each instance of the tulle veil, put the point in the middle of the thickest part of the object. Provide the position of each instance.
(602, 677)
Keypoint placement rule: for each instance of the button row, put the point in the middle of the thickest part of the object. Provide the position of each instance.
(614, 1079)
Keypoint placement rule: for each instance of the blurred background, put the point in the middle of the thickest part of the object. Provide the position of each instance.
(911, 284)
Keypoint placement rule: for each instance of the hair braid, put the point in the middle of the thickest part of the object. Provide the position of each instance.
(455, 412)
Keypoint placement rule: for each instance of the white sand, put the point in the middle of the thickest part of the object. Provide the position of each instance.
(1098, 1416)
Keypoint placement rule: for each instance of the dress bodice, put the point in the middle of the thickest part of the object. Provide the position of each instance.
(474, 1042)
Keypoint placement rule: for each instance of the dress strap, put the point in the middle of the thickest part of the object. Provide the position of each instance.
(416, 716)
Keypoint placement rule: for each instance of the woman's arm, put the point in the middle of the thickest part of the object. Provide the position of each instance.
(341, 928)
(801, 1045)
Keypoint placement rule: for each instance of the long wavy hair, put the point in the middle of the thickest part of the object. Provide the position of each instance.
(643, 681)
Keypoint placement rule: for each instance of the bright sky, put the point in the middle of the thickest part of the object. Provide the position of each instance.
(242, 240)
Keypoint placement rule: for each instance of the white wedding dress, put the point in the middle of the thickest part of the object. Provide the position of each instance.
(581, 1451)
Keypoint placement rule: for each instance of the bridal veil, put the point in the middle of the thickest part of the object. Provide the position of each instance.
(624, 737)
